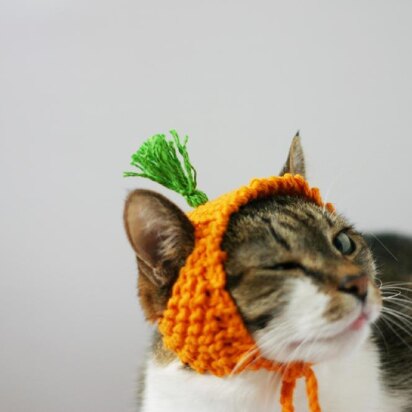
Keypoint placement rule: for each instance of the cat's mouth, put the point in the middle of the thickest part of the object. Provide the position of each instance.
(359, 322)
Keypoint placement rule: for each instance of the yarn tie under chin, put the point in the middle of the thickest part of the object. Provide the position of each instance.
(289, 374)
(289, 377)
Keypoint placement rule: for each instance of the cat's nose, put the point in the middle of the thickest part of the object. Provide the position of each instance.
(356, 285)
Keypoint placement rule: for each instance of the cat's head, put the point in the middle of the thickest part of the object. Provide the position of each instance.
(301, 276)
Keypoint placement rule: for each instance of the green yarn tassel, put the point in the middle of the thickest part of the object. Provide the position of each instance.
(157, 159)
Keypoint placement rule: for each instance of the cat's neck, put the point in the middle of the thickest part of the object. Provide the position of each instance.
(170, 386)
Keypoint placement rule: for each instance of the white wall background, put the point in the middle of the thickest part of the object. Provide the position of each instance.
(82, 83)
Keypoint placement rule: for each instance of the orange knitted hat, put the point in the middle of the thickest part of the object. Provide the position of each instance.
(201, 323)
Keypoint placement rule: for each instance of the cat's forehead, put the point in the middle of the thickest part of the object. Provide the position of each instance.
(289, 213)
(284, 228)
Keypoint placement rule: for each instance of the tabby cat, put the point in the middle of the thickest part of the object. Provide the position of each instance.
(309, 287)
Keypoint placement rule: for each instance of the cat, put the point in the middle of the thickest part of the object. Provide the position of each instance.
(308, 288)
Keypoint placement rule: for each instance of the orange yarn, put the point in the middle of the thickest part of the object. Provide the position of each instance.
(201, 323)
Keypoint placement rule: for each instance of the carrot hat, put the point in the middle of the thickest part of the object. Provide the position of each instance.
(201, 322)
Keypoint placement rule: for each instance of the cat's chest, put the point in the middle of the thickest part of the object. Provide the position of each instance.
(350, 384)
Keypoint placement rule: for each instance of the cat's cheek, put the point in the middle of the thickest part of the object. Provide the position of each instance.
(284, 336)
(339, 306)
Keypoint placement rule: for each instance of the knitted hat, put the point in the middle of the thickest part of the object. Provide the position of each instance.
(201, 323)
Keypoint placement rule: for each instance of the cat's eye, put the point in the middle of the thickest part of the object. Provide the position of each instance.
(344, 243)
(285, 266)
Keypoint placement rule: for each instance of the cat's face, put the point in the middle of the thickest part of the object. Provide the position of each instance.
(302, 278)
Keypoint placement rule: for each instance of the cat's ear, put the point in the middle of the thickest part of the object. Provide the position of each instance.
(162, 237)
(295, 163)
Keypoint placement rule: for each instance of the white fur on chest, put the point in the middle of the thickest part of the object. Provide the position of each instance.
(350, 384)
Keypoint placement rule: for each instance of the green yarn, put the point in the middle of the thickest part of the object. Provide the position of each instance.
(157, 159)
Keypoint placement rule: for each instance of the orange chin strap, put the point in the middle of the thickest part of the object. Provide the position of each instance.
(201, 323)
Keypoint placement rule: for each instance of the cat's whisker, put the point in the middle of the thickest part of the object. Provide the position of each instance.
(272, 342)
(407, 319)
(377, 328)
(283, 333)
(329, 189)
(398, 295)
(391, 291)
(262, 343)
(256, 359)
(394, 285)
(315, 340)
(391, 283)
(401, 306)
(398, 310)
(391, 323)
(380, 282)
(299, 348)
(404, 303)
(387, 320)
(244, 360)
(391, 296)
(400, 292)
(383, 245)
(292, 357)
(398, 323)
